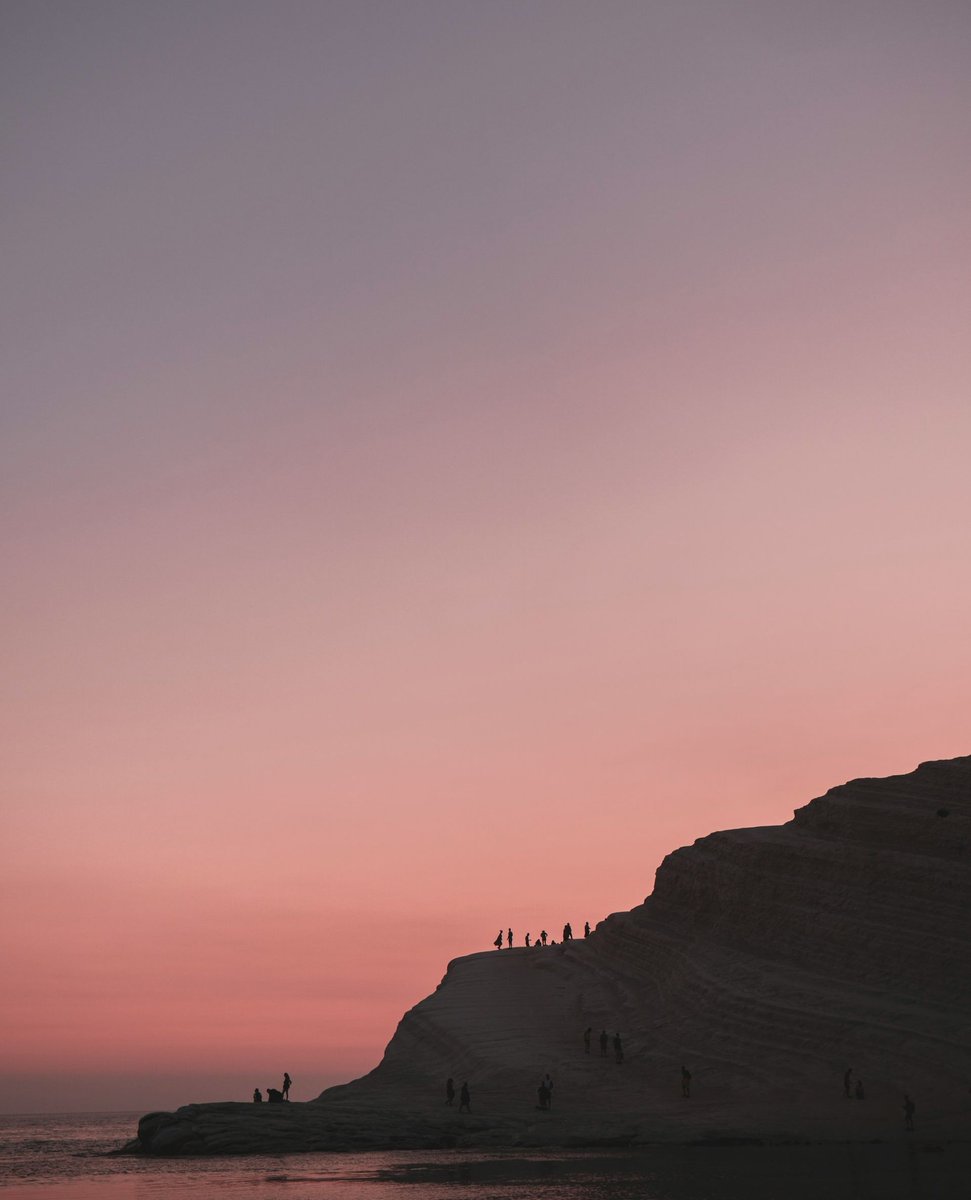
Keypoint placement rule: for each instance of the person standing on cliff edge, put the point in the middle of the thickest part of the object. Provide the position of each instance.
(286, 1085)
(509, 937)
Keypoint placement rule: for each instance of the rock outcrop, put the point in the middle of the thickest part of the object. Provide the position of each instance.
(767, 961)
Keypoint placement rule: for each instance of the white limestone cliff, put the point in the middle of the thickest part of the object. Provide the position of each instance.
(766, 960)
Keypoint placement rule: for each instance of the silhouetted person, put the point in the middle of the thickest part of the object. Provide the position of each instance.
(286, 1085)
(465, 1100)
(257, 1096)
(449, 1090)
(587, 1034)
(848, 1083)
(498, 942)
(542, 936)
(603, 1043)
(909, 1107)
(527, 941)
(568, 932)
(859, 1090)
(548, 1084)
(586, 928)
(685, 1082)
(618, 1049)
(274, 1095)
(509, 936)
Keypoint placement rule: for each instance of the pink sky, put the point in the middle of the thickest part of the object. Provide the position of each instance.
(453, 455)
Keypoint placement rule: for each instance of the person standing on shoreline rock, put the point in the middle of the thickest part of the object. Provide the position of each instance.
(586, 929)
(568, 932)
(543, 936)
(286, 1085)
(509, 936)
(465, 1099)
(527, 941)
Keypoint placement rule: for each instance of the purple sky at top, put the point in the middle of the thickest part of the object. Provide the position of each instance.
(452, 455)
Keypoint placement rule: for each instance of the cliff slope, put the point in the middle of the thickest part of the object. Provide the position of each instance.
(766, 960)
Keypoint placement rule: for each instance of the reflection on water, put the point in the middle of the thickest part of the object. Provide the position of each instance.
(63, 1158)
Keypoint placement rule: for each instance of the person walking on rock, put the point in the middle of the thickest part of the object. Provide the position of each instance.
(465, 1099)
(586, 929)
(449, 1091)
(587, 1034)
(618, 1049)
(685, 1082)
(909, 1108)
(286, 1085)
(527, 941)
(603, 1043)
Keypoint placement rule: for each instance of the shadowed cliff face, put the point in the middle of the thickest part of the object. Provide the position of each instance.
(767, 960)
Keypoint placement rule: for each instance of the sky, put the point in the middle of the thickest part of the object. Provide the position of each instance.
(453, 454)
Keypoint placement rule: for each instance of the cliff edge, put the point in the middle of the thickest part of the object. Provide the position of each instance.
(767, 961)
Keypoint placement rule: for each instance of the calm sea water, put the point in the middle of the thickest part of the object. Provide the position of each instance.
(65, 1158)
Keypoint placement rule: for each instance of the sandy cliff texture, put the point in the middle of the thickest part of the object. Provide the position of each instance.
(766, 960)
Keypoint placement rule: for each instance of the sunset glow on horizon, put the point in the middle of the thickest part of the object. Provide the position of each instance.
(453, 455)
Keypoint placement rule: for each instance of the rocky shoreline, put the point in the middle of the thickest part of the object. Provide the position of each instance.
(237, 1128)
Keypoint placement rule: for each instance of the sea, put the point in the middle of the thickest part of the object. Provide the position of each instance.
(68, 1157)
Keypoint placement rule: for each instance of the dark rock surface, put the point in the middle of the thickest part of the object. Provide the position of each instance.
(767, 960)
